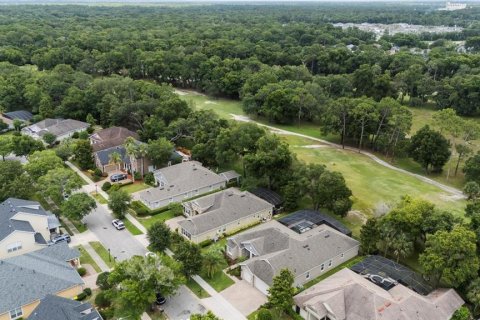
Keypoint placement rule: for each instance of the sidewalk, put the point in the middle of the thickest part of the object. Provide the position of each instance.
(103, 266)
(218, 304)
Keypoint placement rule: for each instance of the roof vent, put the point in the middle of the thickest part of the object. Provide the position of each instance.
(327, 235)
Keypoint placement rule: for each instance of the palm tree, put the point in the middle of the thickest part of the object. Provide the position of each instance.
(131, 148)
(115, 158)
(402, 246)
(212, 261)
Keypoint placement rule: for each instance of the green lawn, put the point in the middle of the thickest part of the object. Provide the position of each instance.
(196, 289)
(79, 225)
(160, 217)
(220, 281)
(372, 184)
(131, 227)
(103, 253)
(85, 258)
(99, 198)
(135, 187)
(223, 107)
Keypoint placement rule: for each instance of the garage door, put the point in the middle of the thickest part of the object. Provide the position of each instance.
(247, 275)
(260, 285)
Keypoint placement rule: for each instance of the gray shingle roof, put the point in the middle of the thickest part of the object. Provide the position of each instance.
(39, 238)
(58, 127)
(347, 295)
(57, 308)
(221, 208)
(181, 178)
(104, 155)
(60, 251)
(20, 115)
(279, 247)
(32, 276)
(10, 207)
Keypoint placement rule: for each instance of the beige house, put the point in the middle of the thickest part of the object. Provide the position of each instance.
(347, 295)
(28, 278)
(224, 212)
(24, 227)
(272, 247)
(180, 182)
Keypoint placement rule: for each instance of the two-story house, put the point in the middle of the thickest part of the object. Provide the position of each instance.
(24, 227)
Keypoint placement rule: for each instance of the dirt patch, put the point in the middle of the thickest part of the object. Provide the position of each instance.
(357, 215)
(210, 102)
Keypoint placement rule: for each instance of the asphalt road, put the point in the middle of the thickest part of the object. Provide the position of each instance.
(122, 244)
(183, 304)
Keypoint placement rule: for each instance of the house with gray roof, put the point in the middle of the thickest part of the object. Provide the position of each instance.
(212, 216)
(57, 308)
(24, 227)
(28, 278)
(61, 128)
(180, 182)
(347, 295)
(272, 246)
(21, 115)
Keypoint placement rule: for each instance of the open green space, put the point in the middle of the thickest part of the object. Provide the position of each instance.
(372, 184)
(131, 227)
(85, 258)
(135, 187)
(103, 253)
(196, 289)
(160, 217)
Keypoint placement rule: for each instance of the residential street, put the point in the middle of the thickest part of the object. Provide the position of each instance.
(122, 244)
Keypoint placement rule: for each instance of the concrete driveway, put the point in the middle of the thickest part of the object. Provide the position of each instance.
(122, 244)
(244, 297)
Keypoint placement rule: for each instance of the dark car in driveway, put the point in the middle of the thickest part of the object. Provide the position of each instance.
(160, 299)
(118, 177)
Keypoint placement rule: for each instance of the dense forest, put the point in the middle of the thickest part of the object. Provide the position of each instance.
(287, 64)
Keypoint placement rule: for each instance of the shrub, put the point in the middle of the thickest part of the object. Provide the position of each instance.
(137, 175)
(106, 186)
(102, 300)
(114, 187)
(102, 281)
(264, 314)
(107, 313)
(90, 130)
(176, 209)
(150, 179)
(97, 172)
(140, 208)
(75, 135)
(83, 135)
(205, 243)
(82, 271)
(81, 296)
(88, 291)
